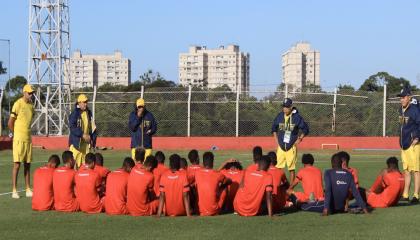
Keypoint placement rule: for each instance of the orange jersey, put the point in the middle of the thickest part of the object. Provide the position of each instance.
(139, 189)
(43, 197)
(116, 192)
(208, 182)
(252, 167)
(191, 172)
(101, 171)
(157, 173)
(236, 177)
(63, 184)
(87, 184)
(249, 197)
(311, 179)
(174, 185)
(392, 186)
(279, 194)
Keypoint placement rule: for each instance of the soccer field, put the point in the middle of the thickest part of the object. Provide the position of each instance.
(18, 221)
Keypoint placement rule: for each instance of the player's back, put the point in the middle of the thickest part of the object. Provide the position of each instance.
(87, 183)
(207, 182)
(116, 192)
(43, 195)
(311, 179)
(157, 173)
(249, 197)
(140, 183)
(63, 184)
(174, 185)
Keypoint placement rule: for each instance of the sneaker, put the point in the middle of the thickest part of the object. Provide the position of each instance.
(405, 199)
(414, 200)
(28, 193)
(15, 195)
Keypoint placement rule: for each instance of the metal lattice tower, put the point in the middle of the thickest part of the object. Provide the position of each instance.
(48, 53)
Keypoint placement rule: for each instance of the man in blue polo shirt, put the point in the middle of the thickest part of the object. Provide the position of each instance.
(285, 129)
(409, 116)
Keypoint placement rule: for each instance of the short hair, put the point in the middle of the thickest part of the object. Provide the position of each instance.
(139, 154)
(208, 159)
(54, 159)
(193, 157)
(336, 161)
(128, 163)
(90, 158)
(67, 156)
(308, 158)
(273, 157)
(99, 159)
(183, 163)
(236, 165)
(264, 162)
(160, 157)
(257, 153)
(174, 162)
(151, 162)
(392, 162)
(344, 156)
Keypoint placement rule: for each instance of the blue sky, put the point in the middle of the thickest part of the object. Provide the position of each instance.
(356, 38)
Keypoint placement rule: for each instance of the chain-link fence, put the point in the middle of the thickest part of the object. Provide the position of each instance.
(194, 112)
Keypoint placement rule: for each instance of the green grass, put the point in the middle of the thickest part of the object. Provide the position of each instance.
(18, 221)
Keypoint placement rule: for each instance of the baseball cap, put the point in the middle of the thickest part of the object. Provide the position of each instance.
(82, 98)
(140, 102)
(28, 88)
(287, 102)
(404, 92)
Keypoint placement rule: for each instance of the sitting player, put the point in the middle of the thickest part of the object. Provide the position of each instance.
(388, 186)
(338, 183)
(174, 188)
(159, 170)
(141, 198)
(256, 155)
(43, 193)
(311, 179)
(231, 169)
(194, 159)
(116, 189)
(88, 186)
(210, 187)
(280, 183)
(101, 170)
(255, 186)
(63, 184)
(345, 157)
(139, 154)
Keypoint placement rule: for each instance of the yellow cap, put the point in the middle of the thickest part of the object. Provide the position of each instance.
(28, 88)
(82, 98)
(140, 102)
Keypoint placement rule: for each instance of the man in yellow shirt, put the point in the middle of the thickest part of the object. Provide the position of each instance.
(82, 130)
(20, 124)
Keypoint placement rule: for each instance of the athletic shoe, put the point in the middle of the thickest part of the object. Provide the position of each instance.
(29, 193)
(414, 200)
(15, 195)
(405, 199)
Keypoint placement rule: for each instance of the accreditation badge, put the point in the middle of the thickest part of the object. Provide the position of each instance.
(287, 135)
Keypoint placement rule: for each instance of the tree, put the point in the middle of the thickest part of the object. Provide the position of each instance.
(375, 83)
(346, 88)
(150, 76)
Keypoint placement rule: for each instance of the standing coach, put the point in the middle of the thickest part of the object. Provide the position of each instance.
(285, 130)
(143, 126)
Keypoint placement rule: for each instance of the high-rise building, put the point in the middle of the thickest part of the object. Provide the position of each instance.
(90, 70)
(300, 66)
(213, 68)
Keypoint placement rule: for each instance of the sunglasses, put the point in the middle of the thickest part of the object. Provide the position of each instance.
(139, 107)
(31, 93)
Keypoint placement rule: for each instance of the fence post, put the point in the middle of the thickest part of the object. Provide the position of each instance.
(286, 90)
(94, 103)
(384, 113)
(189, 111)
(1, 110)
(47, 99)
(142, 91)
(334, 111)
(237, 110)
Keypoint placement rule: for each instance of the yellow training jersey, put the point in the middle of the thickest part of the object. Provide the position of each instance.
(85, 123)
(23, 113)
